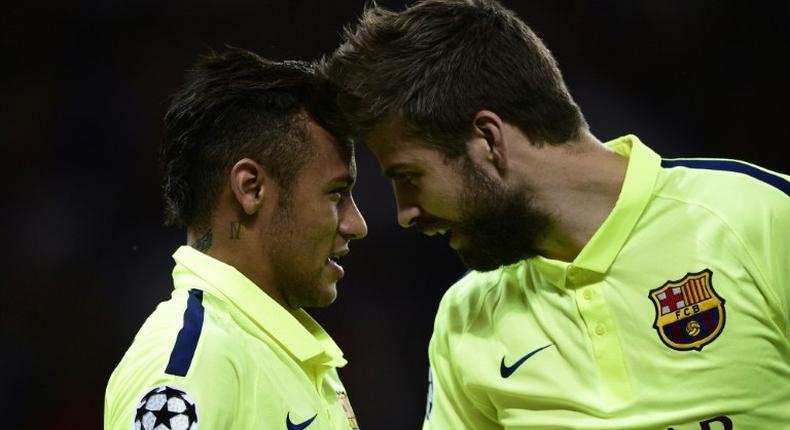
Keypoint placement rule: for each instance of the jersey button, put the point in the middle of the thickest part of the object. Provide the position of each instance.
(600, 329)
(587, 294)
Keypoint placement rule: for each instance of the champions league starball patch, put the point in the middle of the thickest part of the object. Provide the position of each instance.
(166, 408)
(689, 312)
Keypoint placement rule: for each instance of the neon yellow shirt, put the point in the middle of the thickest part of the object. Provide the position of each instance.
(673, 316)
(221, 354)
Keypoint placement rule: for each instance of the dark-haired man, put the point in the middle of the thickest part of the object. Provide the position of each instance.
(612, 289)
(256, 167)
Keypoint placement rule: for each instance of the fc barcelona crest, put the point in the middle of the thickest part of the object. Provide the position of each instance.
(689, 313)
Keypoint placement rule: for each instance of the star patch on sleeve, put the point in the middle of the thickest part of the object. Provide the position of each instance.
(166, 408)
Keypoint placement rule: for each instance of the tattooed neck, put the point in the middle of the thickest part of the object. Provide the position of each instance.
(204, 242)
(235, 230)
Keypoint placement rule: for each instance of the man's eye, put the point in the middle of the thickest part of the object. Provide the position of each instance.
(406, 177)
(338, 194)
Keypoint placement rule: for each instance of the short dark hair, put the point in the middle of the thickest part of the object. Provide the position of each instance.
(237, 105)
(434, 65)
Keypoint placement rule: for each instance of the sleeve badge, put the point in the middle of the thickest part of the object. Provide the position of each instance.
(166, 408)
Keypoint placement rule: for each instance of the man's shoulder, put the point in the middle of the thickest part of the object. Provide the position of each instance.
(743, 196)
(474, 284)
(192, 310)
(721, 180)
(177, 334)
(474, 293)
(160, 328)
(188, 344)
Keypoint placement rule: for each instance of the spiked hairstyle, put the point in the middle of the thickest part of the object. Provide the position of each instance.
(238, 105)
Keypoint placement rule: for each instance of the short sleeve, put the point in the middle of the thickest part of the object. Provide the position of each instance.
(448, 406)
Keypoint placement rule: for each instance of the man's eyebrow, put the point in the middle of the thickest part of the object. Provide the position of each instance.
(346, 180)
(394, 170)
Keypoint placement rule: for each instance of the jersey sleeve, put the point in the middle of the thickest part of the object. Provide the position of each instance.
(774, 250)
(765, 230)
(213, 386)
(141, 389)
(448, 406)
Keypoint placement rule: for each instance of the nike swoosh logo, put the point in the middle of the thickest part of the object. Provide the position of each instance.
(506, 371)
(300, 426)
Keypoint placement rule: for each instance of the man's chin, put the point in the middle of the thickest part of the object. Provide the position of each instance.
(327, 296)
(322, 296)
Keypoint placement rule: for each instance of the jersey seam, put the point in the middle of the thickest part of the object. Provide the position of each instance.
(465, 332)
(483, 296)
(744, 243)
(739, 174)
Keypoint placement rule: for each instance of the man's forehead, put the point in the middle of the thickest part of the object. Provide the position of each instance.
(391, 139)
(335, 169)
(401, 157)
(345, 150)
(321, 136)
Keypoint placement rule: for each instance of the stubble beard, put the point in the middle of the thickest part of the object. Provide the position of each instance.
(298, 287)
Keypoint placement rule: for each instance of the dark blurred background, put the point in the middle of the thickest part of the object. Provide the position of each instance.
(84, 86)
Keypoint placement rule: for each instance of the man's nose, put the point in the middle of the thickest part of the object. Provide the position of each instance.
(353, 225)
(407, 213)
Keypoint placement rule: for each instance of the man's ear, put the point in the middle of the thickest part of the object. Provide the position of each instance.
(247, 180)
(488, 144)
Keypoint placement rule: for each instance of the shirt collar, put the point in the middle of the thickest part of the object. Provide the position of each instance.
(296, 331)
(598, 254)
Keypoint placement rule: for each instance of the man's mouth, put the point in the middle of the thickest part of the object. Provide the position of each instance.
(334, 260)
(435, 231)
(433, 228)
